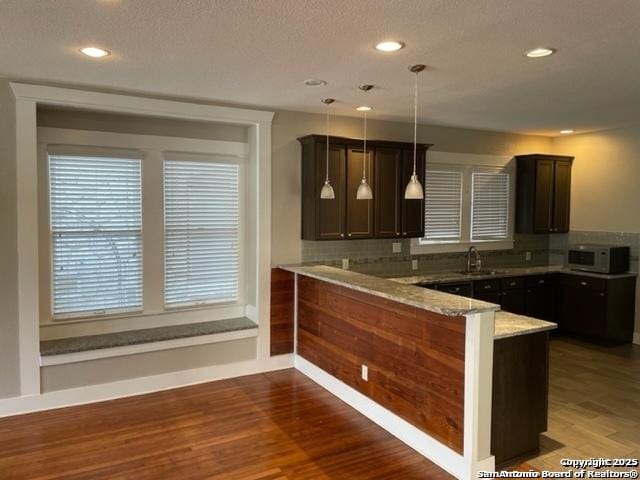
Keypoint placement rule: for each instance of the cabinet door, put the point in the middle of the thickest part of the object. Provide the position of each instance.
(388, 168)
(543, 199)
(491, 297)
(539, 303)
(581, 307)
(330, 212)
(561, 196)
(513, 300)
(412, 218)
(359, 212)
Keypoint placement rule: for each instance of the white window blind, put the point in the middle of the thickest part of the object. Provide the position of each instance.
(202, 226)
(96, 229)
(490, 206)
(443, 206)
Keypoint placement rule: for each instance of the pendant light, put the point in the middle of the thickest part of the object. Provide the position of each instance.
(327, 192)
(414, 189)
(364, 189)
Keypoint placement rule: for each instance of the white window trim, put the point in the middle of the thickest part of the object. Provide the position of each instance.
(152, 150)
(419, 246)
(28, 98)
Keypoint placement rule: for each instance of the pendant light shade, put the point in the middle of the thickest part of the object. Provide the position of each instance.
(414, 189)
(327, 192)
(364, 189)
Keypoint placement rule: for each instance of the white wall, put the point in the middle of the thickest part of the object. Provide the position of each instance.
(9, 369)
(605, 184)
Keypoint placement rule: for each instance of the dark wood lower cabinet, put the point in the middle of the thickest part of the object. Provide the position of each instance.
(514, 301)
(282, 311)
(596, 308)
(520, 393)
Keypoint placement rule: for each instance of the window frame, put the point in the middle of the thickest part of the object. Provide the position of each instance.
(150, 149)
(95, 152)
(242, 230)
(422, 246)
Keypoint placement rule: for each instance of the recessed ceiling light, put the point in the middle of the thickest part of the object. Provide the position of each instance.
(363, 108)
(314, 82)
(539, 52)
(95, 52)
(566, 132)
(389, 46)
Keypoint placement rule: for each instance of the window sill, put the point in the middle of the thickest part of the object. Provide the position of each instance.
(94, 347)
(420, 249)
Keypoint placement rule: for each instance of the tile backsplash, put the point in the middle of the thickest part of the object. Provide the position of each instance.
(377, 257)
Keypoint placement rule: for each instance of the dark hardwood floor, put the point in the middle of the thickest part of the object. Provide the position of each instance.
(263, 427)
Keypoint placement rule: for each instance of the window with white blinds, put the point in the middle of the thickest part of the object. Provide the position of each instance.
(202, 230)
(443, 206)
(96, 234)
(490, 206)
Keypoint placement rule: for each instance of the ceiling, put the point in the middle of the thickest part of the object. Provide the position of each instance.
(259, 52)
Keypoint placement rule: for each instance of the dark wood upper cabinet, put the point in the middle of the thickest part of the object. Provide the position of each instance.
(388, 179)
(543, 193)
(323, 219)
(359, 212)
(412, 210)
(389, 168)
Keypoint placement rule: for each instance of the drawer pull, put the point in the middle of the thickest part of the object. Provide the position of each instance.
(540, 282)
(456, 289)
(513, 284)
(487, 287)
(584, 284)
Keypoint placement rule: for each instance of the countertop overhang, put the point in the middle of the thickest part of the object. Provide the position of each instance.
(431, 300)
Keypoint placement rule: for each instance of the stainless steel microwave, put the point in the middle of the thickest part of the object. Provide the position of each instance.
(598, 258)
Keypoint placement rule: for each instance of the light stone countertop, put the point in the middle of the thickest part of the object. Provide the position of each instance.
(512, 325)
(449, 276)
(424, 298)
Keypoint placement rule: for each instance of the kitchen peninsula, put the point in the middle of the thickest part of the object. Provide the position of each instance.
(420, 363)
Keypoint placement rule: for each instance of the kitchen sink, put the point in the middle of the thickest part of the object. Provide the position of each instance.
(480, 272)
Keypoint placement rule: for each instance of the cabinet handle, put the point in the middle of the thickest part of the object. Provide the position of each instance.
(540, 282)
(504, 294)
(602, 294)
(513, 284)
(342, 235)
(457, 289)
(349, 234)
(397, 234)
(529, 291)
(487, 287)
(584, 284)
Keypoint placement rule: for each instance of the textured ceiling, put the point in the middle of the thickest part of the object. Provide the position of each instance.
(259, 52)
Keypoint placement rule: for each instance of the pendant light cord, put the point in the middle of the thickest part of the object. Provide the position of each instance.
(415, 123)
(327, 130)
(364, 161)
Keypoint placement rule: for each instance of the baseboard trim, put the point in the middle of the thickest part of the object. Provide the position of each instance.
(636, 338)
(427, 446)
(138, 386)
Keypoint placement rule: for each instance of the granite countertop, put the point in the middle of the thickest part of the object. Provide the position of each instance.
(147, 335)
(512, 325)
(424, 298)
(448, 276)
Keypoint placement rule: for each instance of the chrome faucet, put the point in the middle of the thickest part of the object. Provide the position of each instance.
(476, 264)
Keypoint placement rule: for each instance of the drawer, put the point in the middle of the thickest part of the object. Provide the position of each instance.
(539, 281)
(580, 281)
(486, 286)
(463, 289)
(513, 282)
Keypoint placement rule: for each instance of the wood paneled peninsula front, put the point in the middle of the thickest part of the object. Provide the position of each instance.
(418, 362)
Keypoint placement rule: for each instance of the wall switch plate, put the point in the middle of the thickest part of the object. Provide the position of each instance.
(414, 264)
(365, 373)
(396, 247)
(345, 263)
(527, 256)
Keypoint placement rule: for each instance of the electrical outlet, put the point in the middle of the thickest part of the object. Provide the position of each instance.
(527, 256)
(365, 373)
(345, 263)
(396, 247)
(414, 264)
